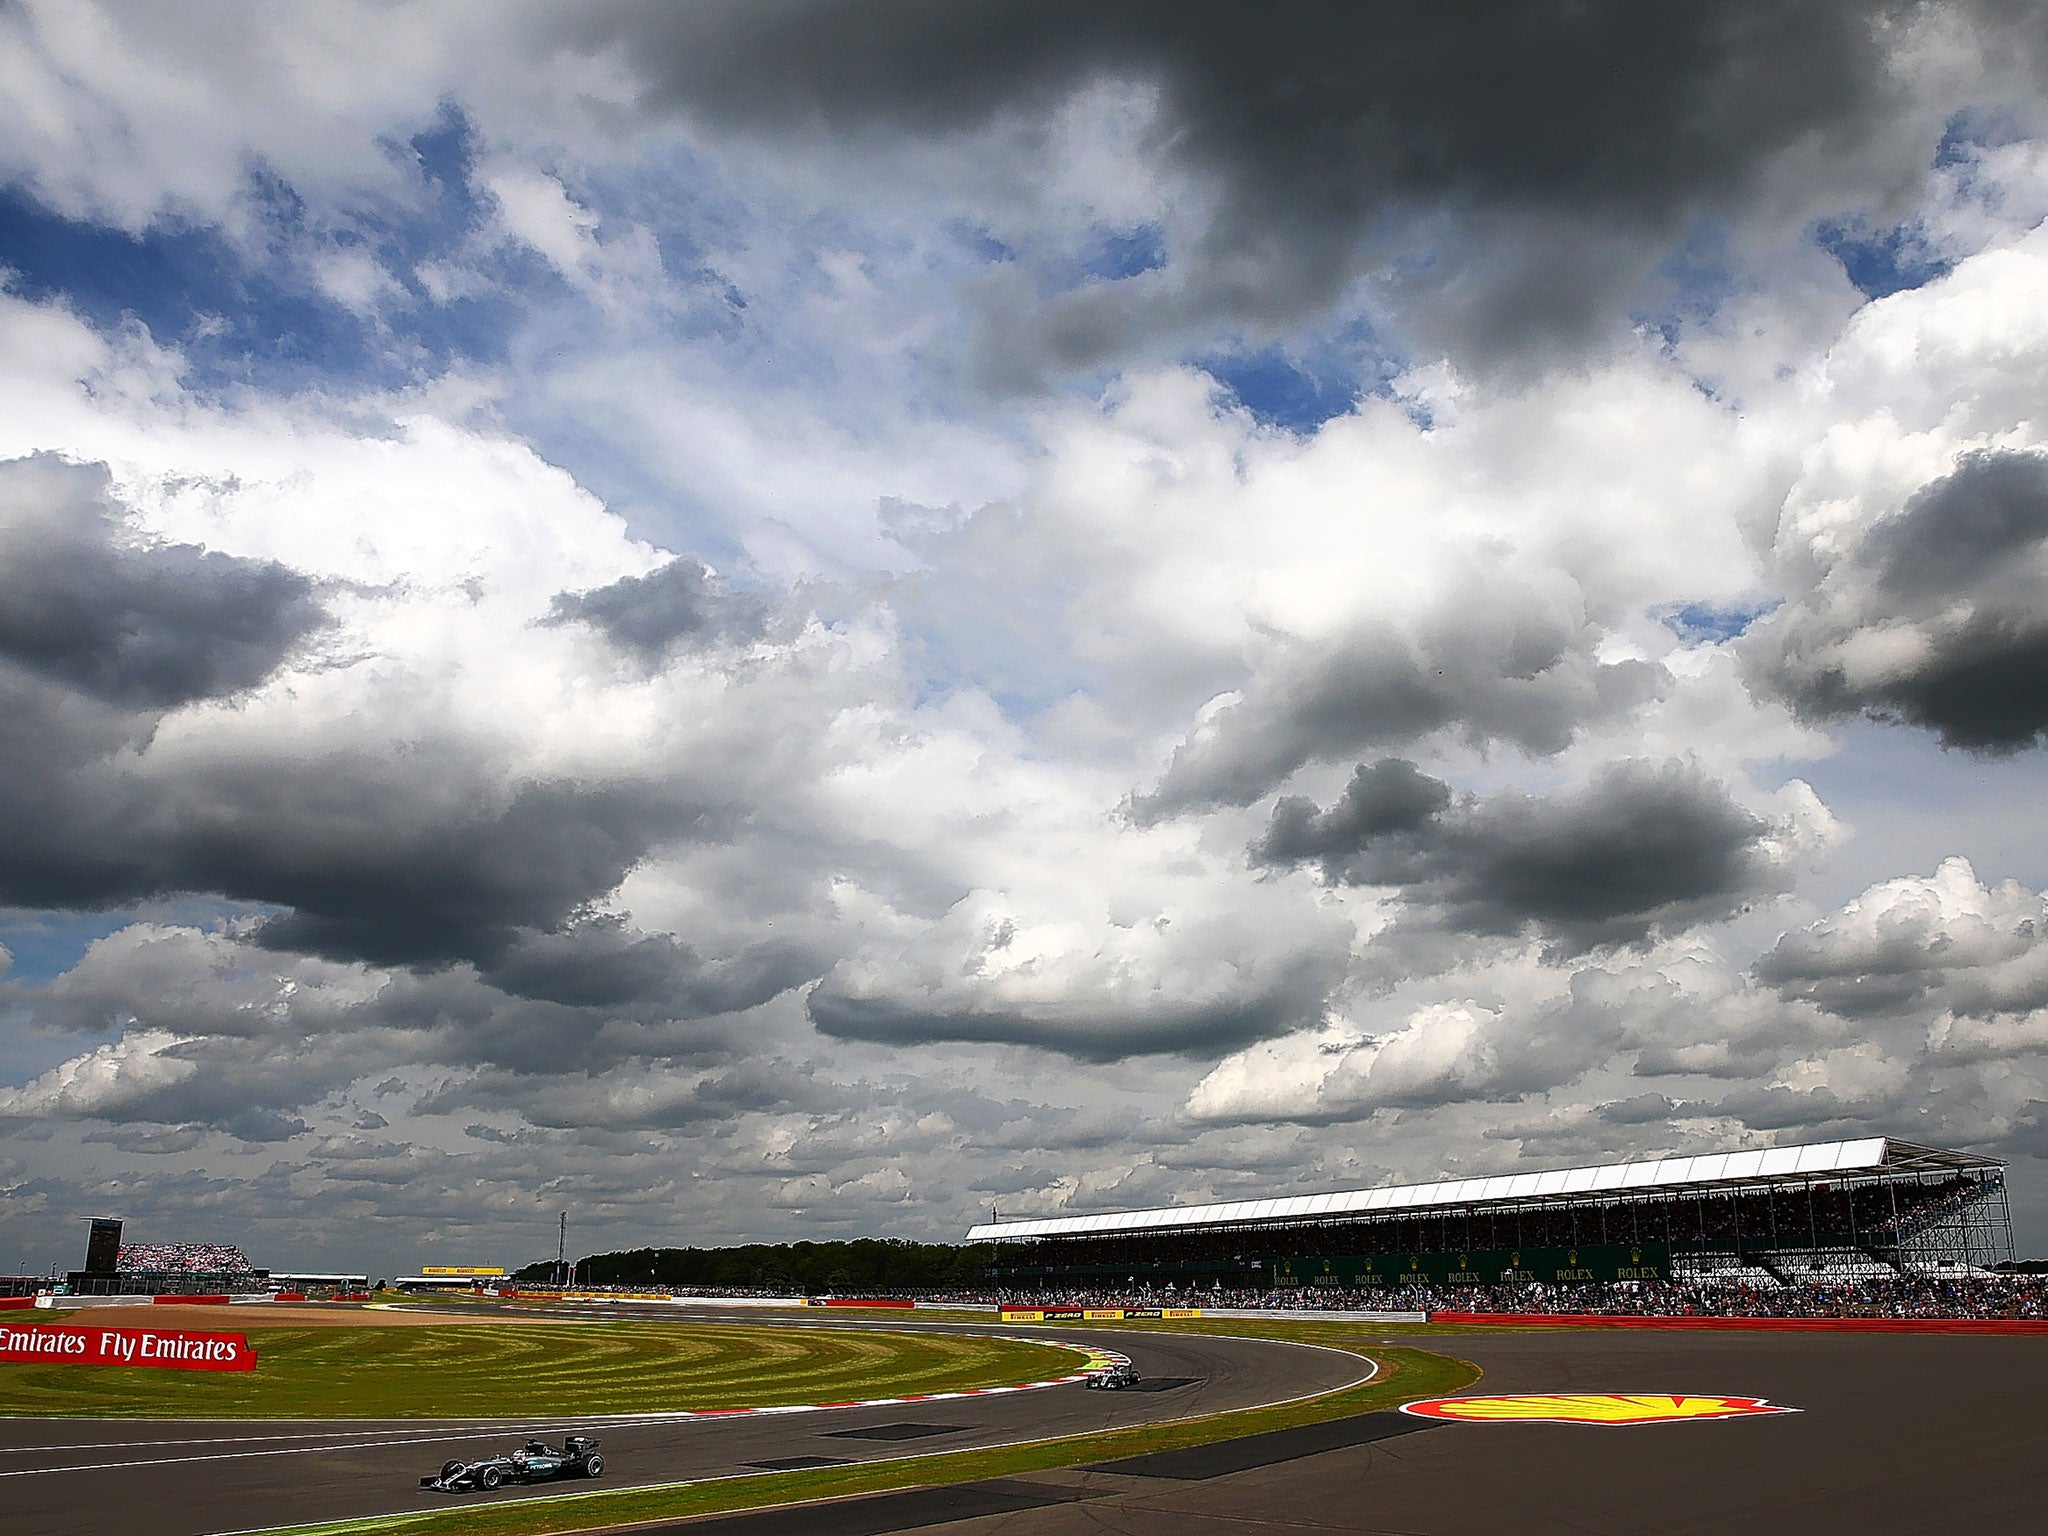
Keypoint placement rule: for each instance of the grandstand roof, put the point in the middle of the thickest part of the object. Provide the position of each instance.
(1870, 1155)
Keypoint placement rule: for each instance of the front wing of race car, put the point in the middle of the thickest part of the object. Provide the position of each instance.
(491, 1472)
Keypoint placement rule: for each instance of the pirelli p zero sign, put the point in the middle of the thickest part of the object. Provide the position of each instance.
(168, 1349)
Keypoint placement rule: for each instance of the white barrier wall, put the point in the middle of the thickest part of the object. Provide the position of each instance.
(1320, 1314)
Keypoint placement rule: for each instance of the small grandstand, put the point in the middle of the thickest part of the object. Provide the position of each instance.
(117, 1268)
(1868, 1211)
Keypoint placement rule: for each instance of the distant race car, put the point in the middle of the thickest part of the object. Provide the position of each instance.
(534, 1462)
(1113, 1378)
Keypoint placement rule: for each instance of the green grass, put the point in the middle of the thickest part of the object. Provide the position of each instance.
(481, 1370)
(1405, 1375)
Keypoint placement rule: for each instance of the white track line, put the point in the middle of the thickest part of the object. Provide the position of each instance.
(1373, 1369)
(143, 1445)
(429, 1434)
(172, 1461)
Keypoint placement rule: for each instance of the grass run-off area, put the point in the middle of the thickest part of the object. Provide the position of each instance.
(1404, 1375)
(485, 1370)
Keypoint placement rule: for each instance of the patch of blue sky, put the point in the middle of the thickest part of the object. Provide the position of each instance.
(26, 1053)
(446, 155)
(1689, 284)
(1113, 254)
(247, 317)
(979, 243)
(1711, 623)
(44, 945)
(1975, 129)
(1884, 261)
(1105, 256)
(1298, 388)
(183, 283)
(737, 292)
(610, 456)
(1023, 663)
(1913, 803)
(250, 309)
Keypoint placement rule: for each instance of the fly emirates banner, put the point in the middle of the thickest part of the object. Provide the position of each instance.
(164, 1348)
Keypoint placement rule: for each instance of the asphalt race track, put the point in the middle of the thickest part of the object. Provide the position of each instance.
(1898, 1434)
(82, 1477)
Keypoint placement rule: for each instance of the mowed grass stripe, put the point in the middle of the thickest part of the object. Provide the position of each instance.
(1405, 1374)
(475, 1370)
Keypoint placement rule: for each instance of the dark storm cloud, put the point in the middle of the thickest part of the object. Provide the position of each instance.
(1497, 667)
(151, 1140)
(1603, 126)
(459, 887)
(1389, 798)
(85, 605)
(247, 1089)
(650, 615)
(1869, 980)
(1918, 946)
(1964, 527)
(646, 1094)
(1939, 619)
(421, 858)
(217, 1033)
(1639, 1109)
(374, 857)
(1089, 1029)
(602, 962)
(1645, 848)
(1818, 1113)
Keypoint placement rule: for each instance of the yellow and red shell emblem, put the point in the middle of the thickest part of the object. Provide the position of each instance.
(1591, 1408)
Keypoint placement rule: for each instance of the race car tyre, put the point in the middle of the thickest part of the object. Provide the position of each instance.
(593, 1466)
(450, 1468)
(490, 1477)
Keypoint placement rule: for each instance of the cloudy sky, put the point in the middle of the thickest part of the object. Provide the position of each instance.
(772, 619)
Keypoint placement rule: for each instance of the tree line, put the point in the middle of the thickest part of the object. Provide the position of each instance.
(868, 1263)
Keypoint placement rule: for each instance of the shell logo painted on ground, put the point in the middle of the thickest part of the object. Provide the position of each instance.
(1592, 1408)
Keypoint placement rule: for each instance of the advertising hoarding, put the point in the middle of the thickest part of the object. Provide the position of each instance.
(172, 1349)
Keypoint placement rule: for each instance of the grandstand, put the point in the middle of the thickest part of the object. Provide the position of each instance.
(1860, 1211)
(115, 1268)
(183, 1259)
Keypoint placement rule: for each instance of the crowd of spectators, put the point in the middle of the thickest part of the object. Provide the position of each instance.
(184, 1258)
(737, 1292)
(1974, 1295)
(1962, 1296)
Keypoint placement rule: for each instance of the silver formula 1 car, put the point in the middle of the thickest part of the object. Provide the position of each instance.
(534, 1462)
(1113, 1378)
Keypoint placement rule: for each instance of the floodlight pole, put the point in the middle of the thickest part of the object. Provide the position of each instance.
(562, 1250)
